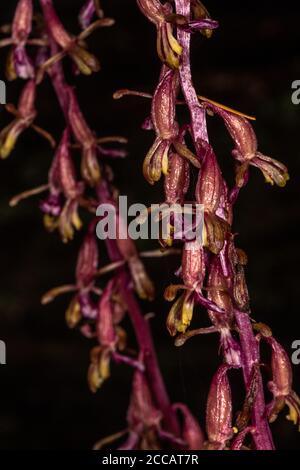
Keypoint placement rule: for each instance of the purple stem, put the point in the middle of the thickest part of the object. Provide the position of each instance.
(142, 329)
(198, 114)
(250, 351)
(250, 355)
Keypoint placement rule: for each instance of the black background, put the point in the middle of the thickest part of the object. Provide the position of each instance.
(250, 64)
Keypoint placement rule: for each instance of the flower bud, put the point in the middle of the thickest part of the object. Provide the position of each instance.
(164, 105)
(210, 183)
(281, 369)
(219, 410)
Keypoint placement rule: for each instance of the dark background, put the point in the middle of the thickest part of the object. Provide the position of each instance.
(249, 64)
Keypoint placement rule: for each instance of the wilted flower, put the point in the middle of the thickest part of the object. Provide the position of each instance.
(219, 411)
(281, 385)
(168, 49)
(246, 152)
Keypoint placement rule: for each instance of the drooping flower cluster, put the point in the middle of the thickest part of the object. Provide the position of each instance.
(97, 306)
(212, 272)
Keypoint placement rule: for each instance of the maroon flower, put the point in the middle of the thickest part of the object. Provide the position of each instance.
(25, 115)
(211, 193)
(168, 49)
(219, 411)
(166, 128)
(69, 44)
(246, 152)
(62, 182)
(281, 385)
